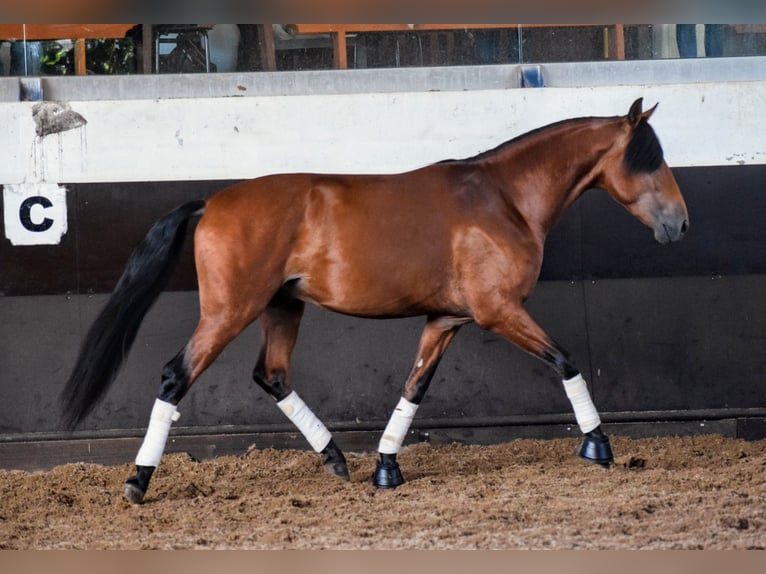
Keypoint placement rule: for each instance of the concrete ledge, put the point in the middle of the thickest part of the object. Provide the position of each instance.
(387, 80)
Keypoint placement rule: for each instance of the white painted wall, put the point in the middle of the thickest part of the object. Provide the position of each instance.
(230, 138)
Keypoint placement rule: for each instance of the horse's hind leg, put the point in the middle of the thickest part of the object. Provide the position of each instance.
(279, 326)
(436, 337)
(210, 337)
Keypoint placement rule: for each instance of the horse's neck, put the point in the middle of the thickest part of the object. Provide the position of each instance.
(544, 173)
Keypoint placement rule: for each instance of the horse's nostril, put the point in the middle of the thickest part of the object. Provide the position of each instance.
(684, 226)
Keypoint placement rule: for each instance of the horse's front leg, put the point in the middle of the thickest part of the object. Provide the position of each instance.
(517, 326)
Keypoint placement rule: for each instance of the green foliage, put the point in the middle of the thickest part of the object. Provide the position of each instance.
(102, 57)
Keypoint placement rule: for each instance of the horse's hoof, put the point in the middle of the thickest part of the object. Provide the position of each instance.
(595, 448)
(133, 491)
(387, 475)
(334, 461)
(338, 469)
(136, 487)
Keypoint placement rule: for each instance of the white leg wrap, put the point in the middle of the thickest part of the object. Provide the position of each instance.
(584, 409)
(397, 427)
(163, 415)
(306, 421)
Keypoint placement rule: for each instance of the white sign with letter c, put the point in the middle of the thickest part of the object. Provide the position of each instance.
(35, 213)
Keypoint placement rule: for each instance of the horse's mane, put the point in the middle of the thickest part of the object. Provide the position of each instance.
(517, 139)
(642, 154)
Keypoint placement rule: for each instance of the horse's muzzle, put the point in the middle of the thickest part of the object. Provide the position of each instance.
(671, 230)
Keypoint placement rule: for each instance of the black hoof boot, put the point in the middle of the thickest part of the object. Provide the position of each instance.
(136, 487)
(595, 448)
(334, 461)
(387, 473)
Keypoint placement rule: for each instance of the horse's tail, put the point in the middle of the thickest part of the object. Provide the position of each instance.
(111, 336)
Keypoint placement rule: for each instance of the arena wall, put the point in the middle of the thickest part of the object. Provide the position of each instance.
(669, 337)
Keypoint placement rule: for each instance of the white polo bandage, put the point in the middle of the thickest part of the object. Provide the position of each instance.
(397, 427)
(584, 409)
(306, 421)
(163, 415)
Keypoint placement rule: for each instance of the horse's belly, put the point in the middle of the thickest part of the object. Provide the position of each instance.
(373, 296)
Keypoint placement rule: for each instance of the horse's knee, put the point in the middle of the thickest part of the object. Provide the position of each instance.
(274, 384)
(175, 380)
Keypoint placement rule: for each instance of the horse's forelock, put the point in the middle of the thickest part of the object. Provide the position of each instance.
(643, 152)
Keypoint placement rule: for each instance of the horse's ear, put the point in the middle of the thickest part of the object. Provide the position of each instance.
(648, 113)
(634, 115)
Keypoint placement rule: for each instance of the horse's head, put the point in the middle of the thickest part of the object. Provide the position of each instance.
(635, 174)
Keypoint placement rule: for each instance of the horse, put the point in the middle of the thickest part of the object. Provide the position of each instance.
(456, 241)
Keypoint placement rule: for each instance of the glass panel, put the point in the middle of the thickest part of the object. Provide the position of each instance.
(542, 44)
(293, 47)
(710, 40)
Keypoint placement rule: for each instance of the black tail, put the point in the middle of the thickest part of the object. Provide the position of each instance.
(112, 334)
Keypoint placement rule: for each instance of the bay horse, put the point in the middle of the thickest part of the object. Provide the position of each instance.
(455, 241)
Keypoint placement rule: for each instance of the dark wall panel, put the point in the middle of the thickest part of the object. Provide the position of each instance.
(349, 370)
(678, 344)
(113, 218)
(39, 337)
(647, 345)
(40, 269)
(105, 223)
(596, 238)
(654, 328)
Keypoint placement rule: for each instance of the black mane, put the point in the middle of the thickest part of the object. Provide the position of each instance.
(525, 135)
(643, 153)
